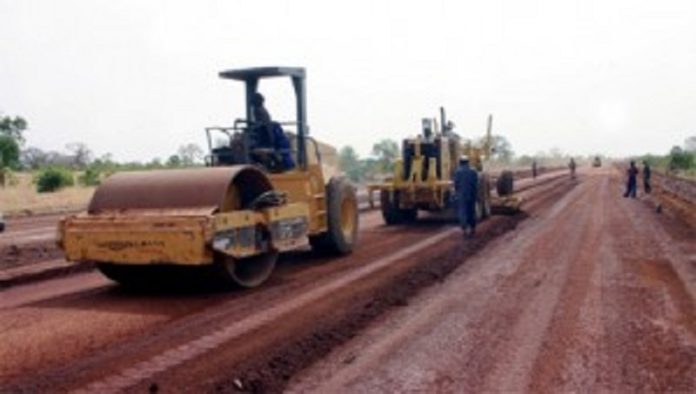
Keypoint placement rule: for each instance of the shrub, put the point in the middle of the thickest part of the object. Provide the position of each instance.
(91, 176)
(680, 159)
(53, 178)
(7, 177)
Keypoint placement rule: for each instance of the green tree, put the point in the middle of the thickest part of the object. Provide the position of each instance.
(173, 161)
(501, 148)
(349, 163)
(9, 151)
(13, 128)
(680, 159)
(386, 151)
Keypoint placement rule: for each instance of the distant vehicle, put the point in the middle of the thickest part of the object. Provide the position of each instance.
(597, 162)
(2, 223)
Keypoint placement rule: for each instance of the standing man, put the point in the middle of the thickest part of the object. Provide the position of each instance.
(534, 169)
(571, 165)
(631, 184)
(646, 177)
(466, 190)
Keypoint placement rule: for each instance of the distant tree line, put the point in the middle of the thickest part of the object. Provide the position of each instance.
(380, 162)
(384, 154)
(681, 159)
(55, 169)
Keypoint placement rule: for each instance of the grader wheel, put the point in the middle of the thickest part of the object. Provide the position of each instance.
(485, 195)
(505, 184)
(342, 216)
(391, 213)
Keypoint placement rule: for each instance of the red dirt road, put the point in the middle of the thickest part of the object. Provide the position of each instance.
(587, 292)
(83, 332)
(594, 294)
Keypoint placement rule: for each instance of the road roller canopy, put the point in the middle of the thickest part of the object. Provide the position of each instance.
(263, 72)
(250, 77)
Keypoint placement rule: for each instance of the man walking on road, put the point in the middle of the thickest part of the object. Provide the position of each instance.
(534, 169)
(571, 166)
(466, 190)
(631, 184)
(646, 177)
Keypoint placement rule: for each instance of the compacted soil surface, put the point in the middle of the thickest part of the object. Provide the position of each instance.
(593, 294)
(582, 291)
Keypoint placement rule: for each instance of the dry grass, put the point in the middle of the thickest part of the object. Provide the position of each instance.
(23, 198)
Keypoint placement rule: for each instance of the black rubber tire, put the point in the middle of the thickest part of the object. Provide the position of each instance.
(409, 215)
(391, 213)
(225, 273)
(505, 184)
(485, 195)
(244, 273)
(343, 220)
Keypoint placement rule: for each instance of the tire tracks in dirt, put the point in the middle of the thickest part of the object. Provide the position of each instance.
(592, 294)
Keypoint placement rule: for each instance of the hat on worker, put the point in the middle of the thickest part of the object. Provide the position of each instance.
(463, 159)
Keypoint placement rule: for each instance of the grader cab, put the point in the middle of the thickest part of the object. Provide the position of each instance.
(232, 217)
(422, 179)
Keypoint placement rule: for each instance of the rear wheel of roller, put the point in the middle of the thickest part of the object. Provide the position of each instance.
(342, 217)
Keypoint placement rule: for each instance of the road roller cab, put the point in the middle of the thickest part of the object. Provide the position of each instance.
(233, 217)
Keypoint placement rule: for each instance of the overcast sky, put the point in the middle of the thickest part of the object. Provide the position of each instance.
(139, 78)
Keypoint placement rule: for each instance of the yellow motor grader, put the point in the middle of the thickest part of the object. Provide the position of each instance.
(423, 175)
(232, 217)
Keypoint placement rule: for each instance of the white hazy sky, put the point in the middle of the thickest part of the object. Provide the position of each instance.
(139, 78)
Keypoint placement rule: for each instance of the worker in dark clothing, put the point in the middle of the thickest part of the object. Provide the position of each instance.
(631, 183)
(571, 166)
(261, 131)
(281, 144)
(269, 134)
(646, 177)
(260, 112)
(534, 169)
(466, 191)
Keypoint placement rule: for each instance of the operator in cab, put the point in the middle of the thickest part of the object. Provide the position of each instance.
(466, 191)
(269, 134)
(261, 115)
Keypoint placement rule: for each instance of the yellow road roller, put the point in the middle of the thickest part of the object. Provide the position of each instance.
(261, 193)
